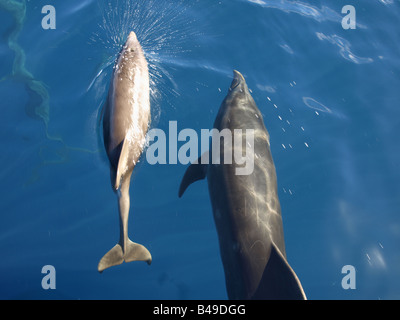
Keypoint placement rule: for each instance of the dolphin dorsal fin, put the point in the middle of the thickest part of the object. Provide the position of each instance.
(196, 171)
(279, 281)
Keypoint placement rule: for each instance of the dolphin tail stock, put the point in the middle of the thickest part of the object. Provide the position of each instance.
(133, 252)
(279, 281)
(125, 249)
(196, 171)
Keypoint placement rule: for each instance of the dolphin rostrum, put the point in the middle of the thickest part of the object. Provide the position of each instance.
(246, 207)
(125, 124)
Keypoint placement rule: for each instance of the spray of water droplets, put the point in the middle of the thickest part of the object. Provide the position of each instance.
(163, 29)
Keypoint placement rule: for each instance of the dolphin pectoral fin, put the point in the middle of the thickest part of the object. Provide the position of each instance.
(113, 257)
(100, 114)
(279, 281)
(122, 164)
(136, 252)
(196, 171)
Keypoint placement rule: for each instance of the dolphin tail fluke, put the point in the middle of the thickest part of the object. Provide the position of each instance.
(133, 252)
(113, 257)
(136, 252)
(279, 281)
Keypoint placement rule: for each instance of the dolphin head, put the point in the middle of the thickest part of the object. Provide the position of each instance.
(238, 88)
(238, 79)
(132, 40)
(237, 106)
(128, 54)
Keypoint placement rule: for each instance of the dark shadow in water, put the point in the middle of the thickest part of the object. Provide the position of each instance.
(38, 105)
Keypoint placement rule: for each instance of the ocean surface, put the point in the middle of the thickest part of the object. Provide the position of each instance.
(330, 101)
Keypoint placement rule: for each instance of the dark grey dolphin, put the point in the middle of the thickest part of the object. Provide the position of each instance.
(246, 208)
(125, 124)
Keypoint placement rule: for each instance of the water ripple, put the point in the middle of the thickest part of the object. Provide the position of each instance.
(78, 7)
(301, 8)
(314, 104)
(344, 48)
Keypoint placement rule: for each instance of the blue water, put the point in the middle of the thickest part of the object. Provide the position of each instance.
(330, 100)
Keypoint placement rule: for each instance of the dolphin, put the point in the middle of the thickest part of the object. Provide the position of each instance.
(125, 123)
(246, 207)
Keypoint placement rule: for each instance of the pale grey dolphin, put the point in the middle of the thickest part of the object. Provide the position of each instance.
(246, 208)
(125, 124)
